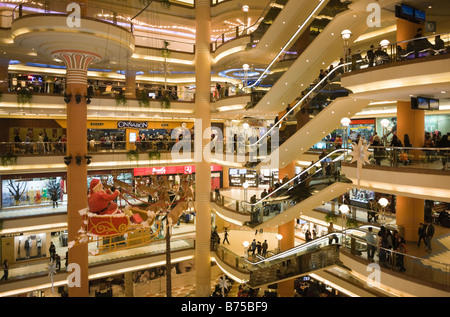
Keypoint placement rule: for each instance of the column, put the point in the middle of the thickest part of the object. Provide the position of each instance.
(130, 83)
(77, 63)
(4, 77)
(202, 165)
(409, 211)
(287, 230)
(129, 284)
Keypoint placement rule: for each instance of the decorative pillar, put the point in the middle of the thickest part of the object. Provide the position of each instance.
(130, 83)
(287, 230)
(202, 165)
(77, 63)
(409, 211)
(4, 77)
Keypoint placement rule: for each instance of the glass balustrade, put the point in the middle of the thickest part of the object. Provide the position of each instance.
(89, 11)
(316, 177)
(39, 268)
(323, 251)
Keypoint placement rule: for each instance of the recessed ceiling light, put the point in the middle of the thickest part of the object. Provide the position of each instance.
(443, 92)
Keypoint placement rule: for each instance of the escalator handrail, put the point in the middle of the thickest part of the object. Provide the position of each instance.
(299, 103)
(301, 173)
(287, 44)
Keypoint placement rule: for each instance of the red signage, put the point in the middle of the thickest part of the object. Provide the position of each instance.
(170, 170)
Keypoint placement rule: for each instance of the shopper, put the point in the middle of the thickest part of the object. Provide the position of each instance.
(5, 270)
(259, 247)
(421, 234)
(226, 237)
(332, 236)
(308, 236)
(400, 246)
(253, 246)
(371, 244)
(55, 198)
(52, 251)
(265, 246)
(429, 233)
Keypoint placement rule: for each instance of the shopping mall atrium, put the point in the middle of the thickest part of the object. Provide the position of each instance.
(225, 148)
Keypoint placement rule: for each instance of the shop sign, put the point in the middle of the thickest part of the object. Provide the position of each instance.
(132, 124)
(171, 170)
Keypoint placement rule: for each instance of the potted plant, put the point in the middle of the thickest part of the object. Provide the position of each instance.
(154, 155)
(8, 159)
(330, 217)
(24, 96)
(133, 155)
(121, 99)
(351, 223)
(165, 102)
(165, 51)
(144, 100)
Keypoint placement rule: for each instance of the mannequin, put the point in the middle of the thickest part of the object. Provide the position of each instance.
(39, 246)
(27, 246)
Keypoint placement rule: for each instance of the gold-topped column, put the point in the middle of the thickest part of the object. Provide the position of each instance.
(202, 165)
(77, 63)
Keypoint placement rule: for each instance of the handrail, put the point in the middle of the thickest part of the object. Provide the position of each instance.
(299, 175)
(299, 102)
(287, 44)
(248, 27)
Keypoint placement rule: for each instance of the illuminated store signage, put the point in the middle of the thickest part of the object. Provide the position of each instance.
(171, 170)
(132, 124)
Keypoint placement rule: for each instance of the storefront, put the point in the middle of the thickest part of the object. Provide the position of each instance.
(362, 127)
(29, 190)
(173, 173)
(238, 177)
(361, 198)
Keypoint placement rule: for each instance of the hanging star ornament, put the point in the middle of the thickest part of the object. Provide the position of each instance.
(360, 154)
(51, 268)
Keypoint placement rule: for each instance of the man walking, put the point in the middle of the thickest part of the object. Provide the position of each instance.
(371, 244)
(265, 246)
(429, 233)
(226, 237)
(421, 233)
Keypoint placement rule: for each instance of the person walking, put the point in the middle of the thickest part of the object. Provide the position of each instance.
(52, 251)
(429, 233)
(371, 244)
(55, 198)
(5, 270)
(265, 246)
(226, 237)
(421, 234)
(253, 246)
(259, 247)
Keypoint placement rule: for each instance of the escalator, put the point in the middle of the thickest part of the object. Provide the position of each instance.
(307, 190)
(315, 255)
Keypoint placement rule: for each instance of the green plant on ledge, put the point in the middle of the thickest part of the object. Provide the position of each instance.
(24, 96)
(330, 217)
(144, 100)
(165, 4)
(154, 155)
(9, 159)
(351, 223)
(133, 155)
(165, 51)
(165, 102)
(121, 99)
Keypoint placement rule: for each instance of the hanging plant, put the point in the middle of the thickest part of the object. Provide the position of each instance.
(133, 155)
(121, 99)
(9, 159)
(330, 217)
(165, 51)
(165, 102)
(352, 223)
(165, 4)
(144, 100)
(154, 155)
(24, 96)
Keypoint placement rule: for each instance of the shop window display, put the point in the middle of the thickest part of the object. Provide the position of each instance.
(30, 247)
(34, 191)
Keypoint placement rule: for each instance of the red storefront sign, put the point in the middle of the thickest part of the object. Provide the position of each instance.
(171, 170)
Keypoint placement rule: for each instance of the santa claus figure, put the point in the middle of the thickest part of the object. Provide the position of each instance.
(101, 202)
